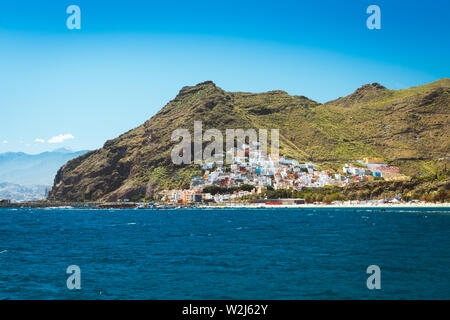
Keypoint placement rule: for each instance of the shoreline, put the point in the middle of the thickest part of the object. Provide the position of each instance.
(133, 205)
(356, 205)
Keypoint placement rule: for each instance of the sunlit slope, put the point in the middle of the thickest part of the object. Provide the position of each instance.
(407, 127)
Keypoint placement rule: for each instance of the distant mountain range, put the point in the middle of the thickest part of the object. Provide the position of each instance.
(34, 169)
(19, 193)
(409, 128)
(26, 176)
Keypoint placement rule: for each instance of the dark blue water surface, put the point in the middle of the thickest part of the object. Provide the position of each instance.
(311, 253)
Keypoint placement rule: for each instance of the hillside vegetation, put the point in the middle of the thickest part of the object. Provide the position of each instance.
(408, 128)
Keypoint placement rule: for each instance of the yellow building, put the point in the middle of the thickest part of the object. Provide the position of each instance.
(373, 160)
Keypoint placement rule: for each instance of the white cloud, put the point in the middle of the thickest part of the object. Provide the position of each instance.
(60, 138)
(5, 141)
(39, 140)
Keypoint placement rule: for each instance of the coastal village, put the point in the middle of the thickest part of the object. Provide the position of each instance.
(261, 171)
(253, 177)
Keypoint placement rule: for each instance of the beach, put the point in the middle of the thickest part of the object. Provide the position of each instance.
(345, 205)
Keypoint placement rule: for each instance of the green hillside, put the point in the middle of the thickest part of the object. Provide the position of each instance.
(409, 128)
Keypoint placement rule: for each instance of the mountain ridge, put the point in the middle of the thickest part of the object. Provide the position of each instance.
(33, 169)
(411, 123)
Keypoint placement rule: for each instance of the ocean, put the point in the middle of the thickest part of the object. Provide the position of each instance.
(310, 253)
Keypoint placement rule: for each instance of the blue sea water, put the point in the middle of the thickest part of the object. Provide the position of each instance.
(311, 253)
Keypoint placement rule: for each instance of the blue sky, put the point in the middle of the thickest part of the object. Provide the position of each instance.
(78, 88)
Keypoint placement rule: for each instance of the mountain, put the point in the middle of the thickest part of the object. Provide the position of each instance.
(66, 151)
(409, 128)
(19, 193)
(40, 169)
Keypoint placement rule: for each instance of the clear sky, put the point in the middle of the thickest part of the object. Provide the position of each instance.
(78, 88)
